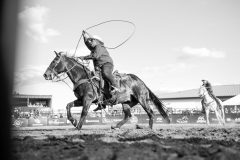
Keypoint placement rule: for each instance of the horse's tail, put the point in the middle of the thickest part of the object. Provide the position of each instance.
(157, 102)
(159, 105)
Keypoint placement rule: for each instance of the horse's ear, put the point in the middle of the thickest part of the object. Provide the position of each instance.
(57, 54)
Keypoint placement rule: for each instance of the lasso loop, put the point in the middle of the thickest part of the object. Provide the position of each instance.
(125, 21)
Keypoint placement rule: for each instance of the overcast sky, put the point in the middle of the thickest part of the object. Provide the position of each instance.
(175, 45)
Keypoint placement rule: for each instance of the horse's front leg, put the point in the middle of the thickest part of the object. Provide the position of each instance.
(207, 115)
(87, 101)
(69, 115)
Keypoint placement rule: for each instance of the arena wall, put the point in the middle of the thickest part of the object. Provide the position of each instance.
(232, 115)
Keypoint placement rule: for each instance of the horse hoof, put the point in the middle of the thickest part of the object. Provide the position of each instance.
(139, 127)
(78, 128)
(74, 122)
(115, 127)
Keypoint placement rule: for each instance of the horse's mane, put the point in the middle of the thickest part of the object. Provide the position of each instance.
(75, 59)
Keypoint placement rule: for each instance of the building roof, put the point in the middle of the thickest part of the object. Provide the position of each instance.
(218, 90)
(32, 96)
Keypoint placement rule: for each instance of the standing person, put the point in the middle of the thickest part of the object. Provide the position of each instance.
(16, 113)
(101, 59)
(208, 86)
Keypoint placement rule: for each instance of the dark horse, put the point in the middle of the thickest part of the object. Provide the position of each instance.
(85, 87)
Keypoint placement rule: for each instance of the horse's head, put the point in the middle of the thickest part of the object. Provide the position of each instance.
(56, 67)
(202, 91)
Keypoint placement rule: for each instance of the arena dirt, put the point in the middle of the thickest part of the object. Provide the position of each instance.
(168, 142)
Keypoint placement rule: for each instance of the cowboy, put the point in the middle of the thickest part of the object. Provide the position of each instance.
(208, 86)
(101, 60)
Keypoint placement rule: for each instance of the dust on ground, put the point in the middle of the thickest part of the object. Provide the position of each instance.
(167, 142)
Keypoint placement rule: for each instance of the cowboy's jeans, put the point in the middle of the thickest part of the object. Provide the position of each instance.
(107, 70)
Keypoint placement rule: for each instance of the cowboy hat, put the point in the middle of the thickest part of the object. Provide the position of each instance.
(97, 38)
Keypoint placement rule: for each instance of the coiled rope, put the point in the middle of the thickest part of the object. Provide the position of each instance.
(125, 21)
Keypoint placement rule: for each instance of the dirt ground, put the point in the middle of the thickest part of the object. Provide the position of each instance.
(170, 142)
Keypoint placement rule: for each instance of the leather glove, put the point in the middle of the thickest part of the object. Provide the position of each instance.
(86, 35)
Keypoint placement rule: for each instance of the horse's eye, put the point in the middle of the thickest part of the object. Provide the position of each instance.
(89, 40)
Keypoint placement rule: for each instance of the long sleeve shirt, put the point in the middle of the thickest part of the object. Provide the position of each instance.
(100, 56)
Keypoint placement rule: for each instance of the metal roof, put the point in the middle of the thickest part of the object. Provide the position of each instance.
(218, 90)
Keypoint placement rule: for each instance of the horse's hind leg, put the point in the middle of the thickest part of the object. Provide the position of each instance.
(149, 111)
(207, 115)
(223, 114)
(127, 115)
(221, 118)
(218, 115)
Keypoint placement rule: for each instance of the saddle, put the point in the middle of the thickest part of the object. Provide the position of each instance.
(104, 89)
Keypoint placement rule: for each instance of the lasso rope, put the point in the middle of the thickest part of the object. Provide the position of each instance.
(125, 21)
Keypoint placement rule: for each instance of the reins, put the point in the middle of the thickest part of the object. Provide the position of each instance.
(63, 80)
(59, 76)
(125, 21)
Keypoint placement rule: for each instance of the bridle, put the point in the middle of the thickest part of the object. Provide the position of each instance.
(89, 79)
(56, 74)
(53, 69)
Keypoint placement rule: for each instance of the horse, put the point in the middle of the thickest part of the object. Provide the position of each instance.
(86, 86)
(209, 104)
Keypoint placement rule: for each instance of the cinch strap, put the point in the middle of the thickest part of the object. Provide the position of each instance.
(79, 83)
(84, 81)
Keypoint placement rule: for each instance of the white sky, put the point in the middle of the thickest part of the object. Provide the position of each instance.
(176, 43)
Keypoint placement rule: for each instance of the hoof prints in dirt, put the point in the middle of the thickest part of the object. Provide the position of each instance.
(138, 135)
(126, 144)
